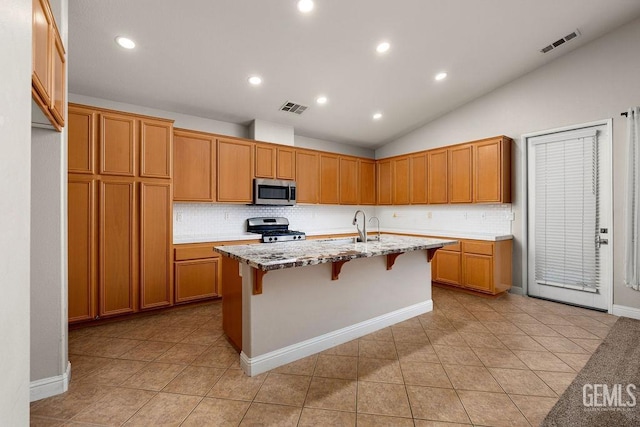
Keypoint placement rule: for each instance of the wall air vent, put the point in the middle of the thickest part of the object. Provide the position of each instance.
(292, 107)
(560, 42)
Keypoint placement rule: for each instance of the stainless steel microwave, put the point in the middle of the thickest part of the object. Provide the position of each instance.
(274, 192)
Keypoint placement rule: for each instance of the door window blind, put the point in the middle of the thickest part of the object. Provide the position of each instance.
(566, 210)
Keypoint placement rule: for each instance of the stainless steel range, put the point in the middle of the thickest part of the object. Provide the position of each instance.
(273, 229)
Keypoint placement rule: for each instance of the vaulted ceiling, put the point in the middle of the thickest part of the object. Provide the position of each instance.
(195, 56)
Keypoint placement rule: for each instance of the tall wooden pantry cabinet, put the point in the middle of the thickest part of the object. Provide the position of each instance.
(120, 219)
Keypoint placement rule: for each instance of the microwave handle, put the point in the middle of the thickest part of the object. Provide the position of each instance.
(289, 193)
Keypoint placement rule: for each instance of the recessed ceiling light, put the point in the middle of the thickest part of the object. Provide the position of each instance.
(255, 80)
(305, 6)
(441, 76)
(377, 116)
(321, 100)
(125, 42)
(383, 47)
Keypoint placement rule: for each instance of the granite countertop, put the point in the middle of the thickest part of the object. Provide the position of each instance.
(274, 256)
(490, 237)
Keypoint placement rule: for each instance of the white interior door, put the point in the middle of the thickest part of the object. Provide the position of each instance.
(569, 216)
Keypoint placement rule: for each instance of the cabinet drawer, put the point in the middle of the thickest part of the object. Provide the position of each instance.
(456, 247)
(480, 248)
(195, 252)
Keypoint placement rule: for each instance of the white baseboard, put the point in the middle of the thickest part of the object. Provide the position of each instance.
(623, 310)
(265, 362)
(51, 386)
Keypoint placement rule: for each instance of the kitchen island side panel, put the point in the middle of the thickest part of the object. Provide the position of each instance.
(299, 304)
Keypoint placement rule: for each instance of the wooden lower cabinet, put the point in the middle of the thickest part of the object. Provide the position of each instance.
(447, 268)
(117, 248)
(155, 245)
(82, 242)
(481, 266)
(196, 279)
(197, 272)
(232, 302)
(478, 272)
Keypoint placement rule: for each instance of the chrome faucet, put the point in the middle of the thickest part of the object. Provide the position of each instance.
(378, 222)
(362, 234)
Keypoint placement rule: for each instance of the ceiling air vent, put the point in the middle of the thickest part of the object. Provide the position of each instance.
(560, 42)
(292, 107)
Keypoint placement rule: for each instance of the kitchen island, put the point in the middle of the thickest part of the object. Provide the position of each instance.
(294, 299)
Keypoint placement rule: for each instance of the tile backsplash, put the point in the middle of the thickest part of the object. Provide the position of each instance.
(213, 221)
(485, 219)
(196, 221)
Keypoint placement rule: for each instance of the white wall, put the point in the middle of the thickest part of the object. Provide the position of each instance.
(318, 144)
(595, 82)
(181, 120)
(215, 126)
(49, 358)
(48, 254)
(15, 177)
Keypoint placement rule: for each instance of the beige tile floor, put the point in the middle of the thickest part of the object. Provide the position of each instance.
(490, 362)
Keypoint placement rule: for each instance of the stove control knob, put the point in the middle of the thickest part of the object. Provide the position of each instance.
(275, 238)
(270, 238)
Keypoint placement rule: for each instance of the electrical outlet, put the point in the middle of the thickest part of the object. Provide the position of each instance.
(429, 215)
(464, 215)
(178, 216)
(511, 216)
(227, 215)
(483, 215)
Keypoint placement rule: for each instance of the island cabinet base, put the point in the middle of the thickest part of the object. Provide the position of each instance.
(232, 301)
(301, 311)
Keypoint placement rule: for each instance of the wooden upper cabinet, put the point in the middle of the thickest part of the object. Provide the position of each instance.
(265, 161)
(492, 171)
(461, 174)
(437, 176)
(307, 176)
(235, 170)
(286, 163)
(156, 137)
(59, 90)
(155, 245)
(82, 238)
(384, 174)
(400, 181)
(117, 144)
(42, 40)
(349, 181)
(81, 140)
(118, 248)
(194, 166)
(366, 182)
(418, 178)
(48, 77)
(329, 179)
